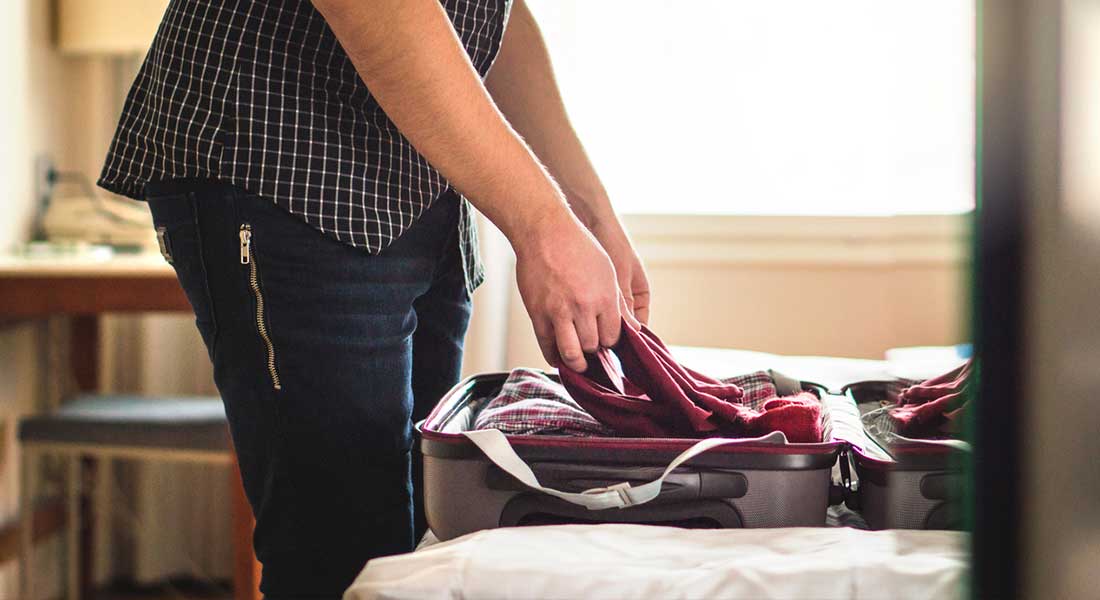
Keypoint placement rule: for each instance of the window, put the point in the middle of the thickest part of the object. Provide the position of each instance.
(771, 106)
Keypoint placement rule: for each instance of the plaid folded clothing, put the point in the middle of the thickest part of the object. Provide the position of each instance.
(530, 403)
(757, 387)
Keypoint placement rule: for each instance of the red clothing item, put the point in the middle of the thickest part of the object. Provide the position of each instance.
(655, 396)
(934, 406)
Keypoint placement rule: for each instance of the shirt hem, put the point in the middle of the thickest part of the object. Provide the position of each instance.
(132, 191)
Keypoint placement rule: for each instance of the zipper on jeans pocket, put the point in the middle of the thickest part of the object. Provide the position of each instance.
(254, 283)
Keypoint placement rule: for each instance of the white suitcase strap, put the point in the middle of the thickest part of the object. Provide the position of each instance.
(495, 446)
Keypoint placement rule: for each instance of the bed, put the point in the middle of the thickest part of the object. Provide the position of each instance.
(633, 561)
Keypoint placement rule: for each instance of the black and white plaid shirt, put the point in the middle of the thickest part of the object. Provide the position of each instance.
(259, 93)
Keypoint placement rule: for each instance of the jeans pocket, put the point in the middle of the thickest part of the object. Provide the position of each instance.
(180, 240)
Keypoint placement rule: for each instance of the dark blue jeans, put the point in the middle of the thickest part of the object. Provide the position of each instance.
(323, 355)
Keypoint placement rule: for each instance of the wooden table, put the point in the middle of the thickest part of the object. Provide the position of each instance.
(83, 286)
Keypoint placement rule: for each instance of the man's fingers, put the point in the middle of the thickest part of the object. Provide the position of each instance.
(569, 346)
(628, 316)
(625, 292)
(588, 333)
(544, 333)
(610, 326)
(628, 306)
(639, 293)
(641, 305)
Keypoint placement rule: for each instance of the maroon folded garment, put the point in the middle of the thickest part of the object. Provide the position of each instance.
(655, 396)
(934, 406)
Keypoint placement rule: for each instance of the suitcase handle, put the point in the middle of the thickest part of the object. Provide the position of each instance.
(678, 486)
(496, 448)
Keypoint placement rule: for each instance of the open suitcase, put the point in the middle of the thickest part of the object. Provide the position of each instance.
(760, 482)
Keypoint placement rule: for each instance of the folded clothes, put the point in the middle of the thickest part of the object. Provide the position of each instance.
(530, 403)
(655, 396)
(934, 407)
(756, 388)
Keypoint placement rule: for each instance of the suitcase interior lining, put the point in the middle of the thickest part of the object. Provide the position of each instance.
(873, 399)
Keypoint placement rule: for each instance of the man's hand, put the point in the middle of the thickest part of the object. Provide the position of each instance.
(567, 283)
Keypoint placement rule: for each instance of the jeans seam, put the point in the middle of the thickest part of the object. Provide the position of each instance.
(192, 201)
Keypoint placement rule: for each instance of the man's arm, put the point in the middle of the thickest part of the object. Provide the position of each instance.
(523, 86)
(408, 55)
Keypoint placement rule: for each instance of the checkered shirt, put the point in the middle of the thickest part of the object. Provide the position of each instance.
(758, 387)
(530, 403)
(879, 423)
(261, 94)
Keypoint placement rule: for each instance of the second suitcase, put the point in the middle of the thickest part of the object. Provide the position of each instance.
(900, 482)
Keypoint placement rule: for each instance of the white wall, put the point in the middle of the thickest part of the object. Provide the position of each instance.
(31, 125)
(15, 52)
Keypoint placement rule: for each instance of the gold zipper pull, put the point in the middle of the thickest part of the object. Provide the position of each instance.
(246, 244)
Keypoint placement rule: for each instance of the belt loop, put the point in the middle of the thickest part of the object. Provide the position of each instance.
(164, 244)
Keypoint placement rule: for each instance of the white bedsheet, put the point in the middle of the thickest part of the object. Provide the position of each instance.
(646, 562)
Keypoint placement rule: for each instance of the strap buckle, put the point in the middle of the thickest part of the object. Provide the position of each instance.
(622, 490)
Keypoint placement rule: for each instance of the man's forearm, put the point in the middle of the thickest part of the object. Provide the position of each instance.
(522, 83)
(523, 86)
(407, 53)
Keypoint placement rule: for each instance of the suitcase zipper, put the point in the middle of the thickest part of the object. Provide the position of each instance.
(254, 283)
(851, 499)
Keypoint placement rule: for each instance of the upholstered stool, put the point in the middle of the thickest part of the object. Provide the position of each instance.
(107, 427)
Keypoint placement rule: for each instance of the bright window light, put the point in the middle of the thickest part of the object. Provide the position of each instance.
(782, 107)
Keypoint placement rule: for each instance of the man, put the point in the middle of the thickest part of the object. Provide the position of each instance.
(309, 167)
